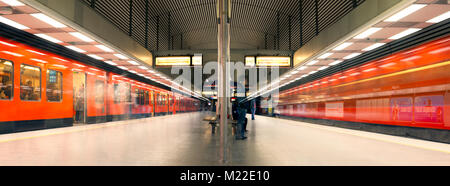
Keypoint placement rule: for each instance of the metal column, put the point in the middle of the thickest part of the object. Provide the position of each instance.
(224, 16)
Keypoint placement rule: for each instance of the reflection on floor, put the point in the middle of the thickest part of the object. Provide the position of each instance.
(185, 140)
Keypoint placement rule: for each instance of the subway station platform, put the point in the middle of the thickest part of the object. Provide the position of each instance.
(186, 140)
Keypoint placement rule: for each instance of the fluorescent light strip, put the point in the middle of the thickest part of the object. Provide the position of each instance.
(13, 54)
(49, 38)
(13, 23)
(440, 18)
(323, 68)
(7, 44)
(343, 46)
(406, 12)
(104, 48)
(405, 33)
(143, 68)
(313, 72)
(388, 65)
(13, 3)
(374, 46)
(38, 60)
(370, 70)
(367, 33)
(312, 62)
(325, 56)
(120, 56)
(74, 48)
(352, 55)
(123, 68)
(81, 36)
(133, 62)
(60, 59)
(96, 57)
(48, 20)
(336, 62)
(32, 51)
(111, 63)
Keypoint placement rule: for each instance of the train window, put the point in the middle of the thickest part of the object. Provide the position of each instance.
(146, 98)
(137, 96)
(142, 97)
(6, 80)
(99, 92)
(30, 83)
(54, 86)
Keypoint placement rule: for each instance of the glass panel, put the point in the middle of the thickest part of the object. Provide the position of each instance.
(99, 92)
(116, 94)
(6, 80)
(137, 96)
(54, 86)
(30, 83)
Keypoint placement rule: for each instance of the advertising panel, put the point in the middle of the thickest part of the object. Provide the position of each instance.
(401, 109)
(429, 109)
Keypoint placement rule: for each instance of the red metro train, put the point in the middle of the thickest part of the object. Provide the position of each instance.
(40, 90)
(410, 89)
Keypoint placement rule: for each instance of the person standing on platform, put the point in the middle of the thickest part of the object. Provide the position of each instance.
(253, 108)
(241, 110)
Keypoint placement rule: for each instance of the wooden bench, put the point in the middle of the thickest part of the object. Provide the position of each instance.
(213, 121)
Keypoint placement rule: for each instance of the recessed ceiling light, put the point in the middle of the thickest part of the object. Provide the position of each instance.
(312, 62)
(367, 33)
(96, 57)
(352, 55)
(49, 38)
(440, 18)
(111, 63)
(323, 68)
(76, 49)
(13, 3)
(405, 33)
(133, 62)
(325, 56)
(48, 20)
(13, 23)
(406, 12)
(343, 46)
(120, 56)
(374, 46)
(104, 48)
(81, 36)
(336, 62)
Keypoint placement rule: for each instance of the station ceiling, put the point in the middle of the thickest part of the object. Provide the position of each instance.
(161, 25)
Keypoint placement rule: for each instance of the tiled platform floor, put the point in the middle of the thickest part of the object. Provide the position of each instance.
(185, 140)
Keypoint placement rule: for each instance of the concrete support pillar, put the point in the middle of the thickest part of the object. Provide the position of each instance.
(224, 15)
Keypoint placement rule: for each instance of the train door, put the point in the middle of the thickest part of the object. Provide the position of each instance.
(79, 97)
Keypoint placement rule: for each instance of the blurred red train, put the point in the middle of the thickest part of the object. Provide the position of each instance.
(409, 88)
(40, 90)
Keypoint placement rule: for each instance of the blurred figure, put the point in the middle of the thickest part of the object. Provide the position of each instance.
(241, 110)
(253, 108)
(5, 88)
